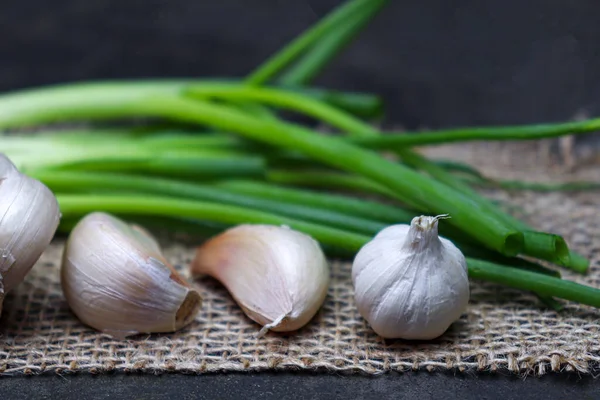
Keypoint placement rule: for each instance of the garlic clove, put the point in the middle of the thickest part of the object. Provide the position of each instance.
(278, 276)
(29, 217)
(116, 280)
(410, 283)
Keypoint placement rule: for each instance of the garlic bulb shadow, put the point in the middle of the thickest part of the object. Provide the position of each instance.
(116, 280)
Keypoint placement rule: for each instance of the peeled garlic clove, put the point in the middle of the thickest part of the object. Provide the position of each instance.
(277, 275)
(410, 283)
(116, 280)
(29, 217)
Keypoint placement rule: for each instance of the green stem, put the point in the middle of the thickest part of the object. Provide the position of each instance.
(75, 205)
(345, 204)
(322, 52)
(72, 108)
(283, 99)
(405, 183)
(539, 283)
(537, 244)
(328, 180)
(544, 246)
(47, 104)
(456, 166)
(535, 186)
(63, 181)
(335, 211)
(518, 132)
(359, 104)
(298, 46)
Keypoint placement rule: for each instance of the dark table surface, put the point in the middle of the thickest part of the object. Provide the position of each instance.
(420, 385)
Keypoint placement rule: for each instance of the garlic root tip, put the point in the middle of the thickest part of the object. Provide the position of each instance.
(272, 325)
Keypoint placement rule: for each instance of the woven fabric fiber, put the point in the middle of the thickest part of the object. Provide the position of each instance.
(503, 330)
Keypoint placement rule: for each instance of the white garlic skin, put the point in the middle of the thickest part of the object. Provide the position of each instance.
(116, 280)
(278, 276)
(410, 283)
(29, 217)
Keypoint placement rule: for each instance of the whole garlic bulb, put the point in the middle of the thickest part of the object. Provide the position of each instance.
(277, 275)
(29, 217)
(410, 283)
(116, 280)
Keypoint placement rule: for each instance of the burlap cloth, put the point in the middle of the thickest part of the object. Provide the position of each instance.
(502, 330)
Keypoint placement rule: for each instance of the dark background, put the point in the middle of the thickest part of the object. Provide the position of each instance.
(437, 63)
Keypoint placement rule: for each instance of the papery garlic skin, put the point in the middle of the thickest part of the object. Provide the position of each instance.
(116, 280)
(410, 283)
(29, 217)
(277, 275)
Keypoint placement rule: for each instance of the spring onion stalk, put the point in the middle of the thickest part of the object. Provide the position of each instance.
(576, 261)
(70, 101)
(283, 58)
(322, 53)
(404, 182)
(328, 180)
(67, 181)
(195, 165)
(485, 255)
(282, 99)
(122, 108)
(189, 229)
(310, 207)
(349, 205)
(518, 132)
(459, 167)
(327, 209)
(539, 245)
(73, 206)
(539, 283)
(361, 105)
(534, 186)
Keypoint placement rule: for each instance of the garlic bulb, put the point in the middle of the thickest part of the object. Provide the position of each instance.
(409, 282)
(29, 217)
(277, 275)
(116, 280)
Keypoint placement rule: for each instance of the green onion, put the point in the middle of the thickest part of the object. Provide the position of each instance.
(519, 132)
(328, 180)
(75, 100)
(535, 186)
(552, 248)
(537, 244)
(405, 183)
(282, 99)
(531, 281)
(351, 206)
(322, 52)
(62, 182)
(296, 47)
(74, 205)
